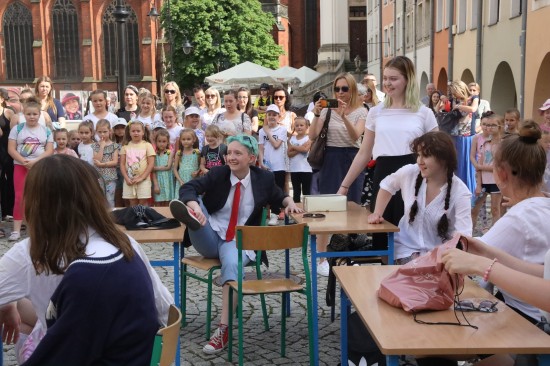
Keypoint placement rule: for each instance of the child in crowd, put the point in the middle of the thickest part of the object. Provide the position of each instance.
(273, 155)
(169, 117)
(546, 179)
(485, 180)
(478, 204)
(87, 138)
(213, 153)
(137, 160)
(74, 140)
(545, 112)
(61, 137)
(147, 113)
(28, 142)
(193, 121)
(118, 137)
(511, 121)
(106, 159)
(163, 180)
(186, 164)
(101, 111)
(300, 170)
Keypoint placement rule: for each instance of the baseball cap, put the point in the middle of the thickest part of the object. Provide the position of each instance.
(545, 106)
(120, 122)
(273, 108)
(264, 86)
(158, 124)
(192, 110)
(247, 141)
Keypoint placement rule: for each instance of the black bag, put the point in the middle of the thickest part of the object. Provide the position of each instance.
(316, 155)
(448, 121)
(142, 217)
(361, 344)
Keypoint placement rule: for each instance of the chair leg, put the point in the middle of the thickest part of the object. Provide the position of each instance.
(230, 327)
(241, 335)
(183, 300)
(283, 324)
(264, 312)
(209, 305)
(310, 327)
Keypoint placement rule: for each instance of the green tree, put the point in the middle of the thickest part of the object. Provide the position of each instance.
(240, 29)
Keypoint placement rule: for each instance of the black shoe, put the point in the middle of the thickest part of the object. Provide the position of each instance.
(184, 214)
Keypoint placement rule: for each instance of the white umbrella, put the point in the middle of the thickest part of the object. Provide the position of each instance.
(283, 74)
(247, 73)
(305, 74)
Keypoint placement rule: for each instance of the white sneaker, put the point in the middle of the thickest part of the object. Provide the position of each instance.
(273, 220)
(15, 235)
(323, 269)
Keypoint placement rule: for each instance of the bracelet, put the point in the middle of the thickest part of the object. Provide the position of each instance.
(488, 270)
(344, 187)
(317, 115)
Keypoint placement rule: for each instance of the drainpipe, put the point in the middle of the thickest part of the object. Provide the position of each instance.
(523, 44)
(403, 28)
(432, 46)
(381, 39)
(414, 32)
(479, 41)
(451, 40)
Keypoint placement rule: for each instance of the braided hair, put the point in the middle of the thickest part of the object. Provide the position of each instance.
(439, 145)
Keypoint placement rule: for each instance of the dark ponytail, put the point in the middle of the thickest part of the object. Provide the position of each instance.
(443, 224)
(414, 207)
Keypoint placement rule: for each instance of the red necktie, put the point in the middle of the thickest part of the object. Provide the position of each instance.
(230, 234)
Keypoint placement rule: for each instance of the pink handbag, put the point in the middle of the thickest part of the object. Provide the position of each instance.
(423, 283)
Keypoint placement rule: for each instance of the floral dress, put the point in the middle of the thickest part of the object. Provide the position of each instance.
(189, 163)
(165, 178)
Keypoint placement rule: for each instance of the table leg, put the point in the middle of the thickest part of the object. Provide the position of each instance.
(177, 263)
(344, 312)
(390, 248)
(392, 360)
(544, 360)
(314, 302)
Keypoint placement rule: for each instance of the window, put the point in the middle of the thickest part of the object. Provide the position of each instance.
(387, 45)
(66, 40)
(475, 4)
(357, 11)
(17, 29)
(417, 14)
(427, 18)
(398, 34)
(447, 12)
(461, 16)
(515, 8)
(439, 19)
(494, 10)
(390, 41)
(110, 54)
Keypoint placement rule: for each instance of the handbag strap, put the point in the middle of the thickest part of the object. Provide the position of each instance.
(325, 125)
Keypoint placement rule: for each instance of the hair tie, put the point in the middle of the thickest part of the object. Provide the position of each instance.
(528, 139)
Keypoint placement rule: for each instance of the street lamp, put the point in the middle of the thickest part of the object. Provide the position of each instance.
(187, 46)
(121, 15)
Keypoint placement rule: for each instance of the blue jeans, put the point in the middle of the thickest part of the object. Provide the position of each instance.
(209, 244)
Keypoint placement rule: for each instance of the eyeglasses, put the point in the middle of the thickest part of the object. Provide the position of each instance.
(279, 97)
(485, 306)
(242, 97)
(490, 126)
(170, 91)
(344, 89)
(210, 96)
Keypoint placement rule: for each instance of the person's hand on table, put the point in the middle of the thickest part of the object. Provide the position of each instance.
(375, 218)
(10, 320)
(194, 205)
(292, 208)
(342, 191)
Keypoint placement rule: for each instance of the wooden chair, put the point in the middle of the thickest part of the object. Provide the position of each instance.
(166, 341)
(270, 238)
(209, 266)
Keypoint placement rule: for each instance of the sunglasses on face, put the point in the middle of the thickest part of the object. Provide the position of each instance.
(210, 96)
(170, 91)
(485, 306)
(279, 97)
(344, 89)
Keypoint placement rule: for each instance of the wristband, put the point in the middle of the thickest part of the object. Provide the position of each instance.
(488, 270)
(317, 115)
(344, 187)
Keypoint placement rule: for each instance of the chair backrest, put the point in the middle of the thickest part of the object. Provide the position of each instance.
(272, 237)
(166, 340)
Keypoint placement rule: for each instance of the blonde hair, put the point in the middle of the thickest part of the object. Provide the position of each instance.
(354, 102)
(370, 86)
(412, 93)
(178, 93)
(459, 89)
(214, 131)
(217, 93)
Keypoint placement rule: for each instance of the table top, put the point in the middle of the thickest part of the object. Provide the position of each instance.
(354, 220)
(157, 235)
(396, 332)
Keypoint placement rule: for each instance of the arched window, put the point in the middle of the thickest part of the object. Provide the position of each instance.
(17, 29)
(66, 40)
(110, 54)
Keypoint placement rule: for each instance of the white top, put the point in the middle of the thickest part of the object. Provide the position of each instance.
(287, 121)
(421, 236)
(148, 121)
(235, 126)
(174, 133)
(206, 119)
(546, 277)
(309, 116)
(86, 152)
(395, 129)
(275, 159)
(30, 142)
(337, 132)
(298, 163)
(18, 278)
(111, 117)
(381, 96)
(523, 232)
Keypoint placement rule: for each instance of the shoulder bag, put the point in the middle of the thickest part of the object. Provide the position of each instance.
(316, 154)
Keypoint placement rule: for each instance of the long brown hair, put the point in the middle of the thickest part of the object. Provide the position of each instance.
(49, 98)
(63, 200)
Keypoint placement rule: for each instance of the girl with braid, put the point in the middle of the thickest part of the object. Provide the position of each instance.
(437, 202)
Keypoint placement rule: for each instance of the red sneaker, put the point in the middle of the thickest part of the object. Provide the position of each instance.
(218, 341)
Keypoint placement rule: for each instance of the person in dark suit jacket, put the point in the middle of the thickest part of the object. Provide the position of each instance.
(209, 220)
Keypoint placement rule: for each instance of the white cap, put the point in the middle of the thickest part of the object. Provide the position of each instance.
(192, 110)
(158, 124)
(273, 108)
(120, 122)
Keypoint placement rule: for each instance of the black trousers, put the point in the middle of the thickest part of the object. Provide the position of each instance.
(301, 184)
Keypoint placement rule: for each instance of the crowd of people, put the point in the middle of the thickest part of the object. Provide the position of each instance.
(218, 161)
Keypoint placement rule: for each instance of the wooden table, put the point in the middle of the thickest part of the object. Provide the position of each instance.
(396, 333)
(352, 221)
(174, 236)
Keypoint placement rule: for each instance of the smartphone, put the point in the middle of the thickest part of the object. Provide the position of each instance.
(329, 103)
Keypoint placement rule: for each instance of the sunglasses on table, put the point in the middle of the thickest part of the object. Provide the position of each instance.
(279, 97)
(344, 89)
(485, 306)
(170, 91)
(313, 215)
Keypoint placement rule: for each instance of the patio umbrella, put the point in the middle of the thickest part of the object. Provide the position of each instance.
(305, 74)
(284, 74)
(247, 73)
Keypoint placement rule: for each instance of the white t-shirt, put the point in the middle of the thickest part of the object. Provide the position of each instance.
(30, 142)
(395, 129)
(111, 117)
(421, 236)
(524, 233)
(338, 135)
(174, 133)
(86, 152)
(546, 277)
(148, 121)
(298, 163)
(275, 159)
(206, 119)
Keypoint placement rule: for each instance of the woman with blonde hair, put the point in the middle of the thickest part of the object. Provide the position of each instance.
(171, 96)
(43, 90)
(390, 129)
(213, 107)
(370, 99)
(345, 127)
